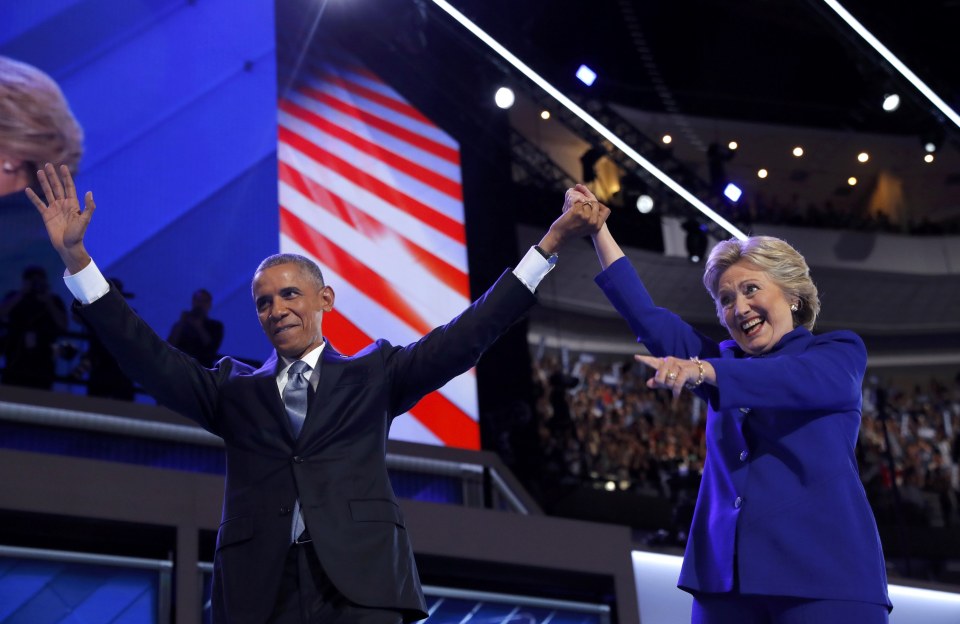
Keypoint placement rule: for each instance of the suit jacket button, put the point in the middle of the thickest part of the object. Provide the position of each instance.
(744, 455)
(745, 410)
(297, 459)
(738, 503)
(284, 510)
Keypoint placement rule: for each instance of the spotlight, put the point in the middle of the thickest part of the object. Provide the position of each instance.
(891, 102)
(645, 204)
(762, 174)
(931, 138)
(798, 151)
(863, 157)
(586, 75)
(732, 145)
(504, 97)
(667, 139)
(852, 181)
(928, 158)
(545, 115)
(732, 192)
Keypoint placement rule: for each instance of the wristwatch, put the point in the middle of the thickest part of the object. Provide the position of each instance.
(550, 258)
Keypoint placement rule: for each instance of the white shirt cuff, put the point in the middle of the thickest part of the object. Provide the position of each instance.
(87, 284)
(532, 269)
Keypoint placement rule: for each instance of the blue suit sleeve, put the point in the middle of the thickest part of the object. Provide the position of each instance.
(660, 330)
(826, 376)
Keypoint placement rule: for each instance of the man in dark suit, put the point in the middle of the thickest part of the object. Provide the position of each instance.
(311, 531)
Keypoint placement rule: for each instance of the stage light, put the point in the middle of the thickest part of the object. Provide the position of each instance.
(929, 147)
(733, 145)
(852, 181)
(863, 157)
(891, 102)
(798, 151)
(762, 174)
(504, 97)
(645, 204)
(667, 139)
(545, 115)
(732, 192)
(586, 75)
(928, 158)
(609, 486)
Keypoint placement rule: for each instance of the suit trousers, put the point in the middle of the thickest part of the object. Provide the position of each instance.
(307, 596)
(755, 609)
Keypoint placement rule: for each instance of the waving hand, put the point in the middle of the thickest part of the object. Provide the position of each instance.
(65, 221)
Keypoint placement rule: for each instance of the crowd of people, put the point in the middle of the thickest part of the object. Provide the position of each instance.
(600, 426)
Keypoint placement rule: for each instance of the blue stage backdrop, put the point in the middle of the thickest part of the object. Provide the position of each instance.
(178, 103)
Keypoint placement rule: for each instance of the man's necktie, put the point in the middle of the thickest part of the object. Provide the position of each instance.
(295, 395)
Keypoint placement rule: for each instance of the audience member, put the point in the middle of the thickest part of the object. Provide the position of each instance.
(35, 318)
(196, 333)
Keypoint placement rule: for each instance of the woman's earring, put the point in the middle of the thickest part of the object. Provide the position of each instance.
(794, 307)
(8, 167)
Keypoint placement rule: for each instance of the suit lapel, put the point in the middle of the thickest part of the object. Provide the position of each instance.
(320, 412)
(266, 388)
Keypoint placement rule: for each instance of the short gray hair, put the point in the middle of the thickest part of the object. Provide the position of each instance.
(307, 266)
(784, 264)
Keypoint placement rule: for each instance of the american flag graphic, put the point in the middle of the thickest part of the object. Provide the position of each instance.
(371, 190)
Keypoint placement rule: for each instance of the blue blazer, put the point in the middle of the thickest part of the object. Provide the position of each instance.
(781, 508)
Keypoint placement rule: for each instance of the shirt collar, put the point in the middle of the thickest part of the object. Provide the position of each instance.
(311, 358)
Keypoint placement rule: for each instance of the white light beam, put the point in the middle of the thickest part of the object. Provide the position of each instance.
(893, 60)
(589, 120)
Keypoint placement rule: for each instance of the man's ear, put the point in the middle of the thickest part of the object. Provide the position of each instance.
(327, 295)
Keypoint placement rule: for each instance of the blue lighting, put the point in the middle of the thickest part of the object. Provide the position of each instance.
(732, 192)
(586, 75)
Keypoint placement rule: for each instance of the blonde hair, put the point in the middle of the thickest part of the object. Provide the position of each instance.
(784, 264)
(36, 124)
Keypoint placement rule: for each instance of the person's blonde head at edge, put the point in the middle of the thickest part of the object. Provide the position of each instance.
(36, 126)
(762, 289)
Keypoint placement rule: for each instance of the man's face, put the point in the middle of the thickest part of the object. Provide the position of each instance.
(202, 301)
(290, 305)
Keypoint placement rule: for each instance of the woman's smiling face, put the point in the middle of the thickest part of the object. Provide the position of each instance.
(754, 309)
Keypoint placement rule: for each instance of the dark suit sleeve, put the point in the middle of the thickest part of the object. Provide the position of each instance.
(454, 348)
(173, 378)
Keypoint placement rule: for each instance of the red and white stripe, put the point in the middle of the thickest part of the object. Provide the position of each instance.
(371, 190)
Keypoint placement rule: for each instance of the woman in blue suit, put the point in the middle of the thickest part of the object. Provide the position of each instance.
(782, 532)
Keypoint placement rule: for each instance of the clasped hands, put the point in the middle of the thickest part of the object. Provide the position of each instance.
(582, 215)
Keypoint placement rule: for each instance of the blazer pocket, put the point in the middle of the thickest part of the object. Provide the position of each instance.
(235, 530)
(376, 510)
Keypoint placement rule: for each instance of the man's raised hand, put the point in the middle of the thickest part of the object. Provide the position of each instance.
(66, 223)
